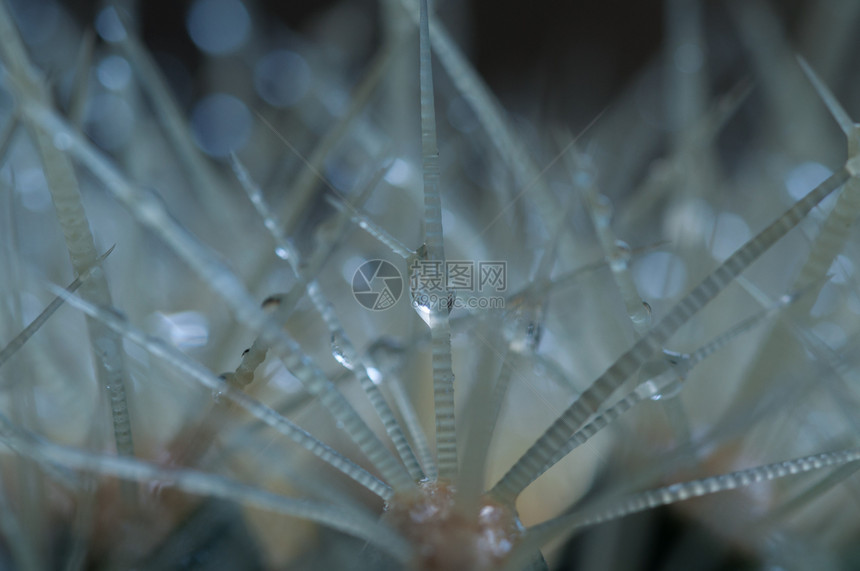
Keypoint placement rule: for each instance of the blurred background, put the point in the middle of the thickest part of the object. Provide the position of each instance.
(691, 117)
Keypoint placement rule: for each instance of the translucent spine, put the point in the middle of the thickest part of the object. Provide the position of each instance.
(46, 314)
(440, 332)
(226, 391)
(697, 488)
(593, 398)
(342, 345)
(150, 212)
(359, 524)
(830, 241)
(66, 196)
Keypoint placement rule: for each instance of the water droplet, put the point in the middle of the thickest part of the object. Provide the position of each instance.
(282, 253)
(427, 285)
(623, 250)
(664, 376)
(642, 317)
(218, 397)
(620, 256)
(425, 302)
(672, 390)
(523, 327)
(342, 350)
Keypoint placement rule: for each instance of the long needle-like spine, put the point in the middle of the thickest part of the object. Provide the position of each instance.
(440, 331)
(572, 419)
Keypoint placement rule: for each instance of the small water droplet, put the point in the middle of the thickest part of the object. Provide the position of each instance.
(642, 317)
(523, 327)
(620, 256)
(672, 390)
(427, 286)
(342, 350)
(218, 396)
(426, 302)
(623, 250)
(282, 253)
(664, 376)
